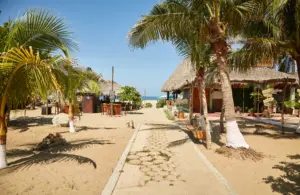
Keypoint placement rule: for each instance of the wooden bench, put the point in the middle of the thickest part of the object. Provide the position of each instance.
(260, 127)
(197, 132)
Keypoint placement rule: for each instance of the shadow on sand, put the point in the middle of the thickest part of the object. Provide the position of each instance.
(28, 158)
(23, 123)
(289, 181)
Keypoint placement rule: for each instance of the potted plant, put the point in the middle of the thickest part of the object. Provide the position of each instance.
(181, 104)
(251, 112)
(180, 113)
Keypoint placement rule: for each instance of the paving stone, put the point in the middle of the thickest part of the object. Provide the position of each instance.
(154, 153)
(160, 158)
(151, 173)
(135, 162)
(157, 178)
(145, 169)
(172, 178)
(155, 168)
(145, 163)
(157, 162)
(133, 157)
(164, 174)
(146, 158)
(141, 154)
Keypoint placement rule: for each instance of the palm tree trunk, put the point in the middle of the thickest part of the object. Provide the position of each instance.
(234, 137)
(3, 131)
(191, 104)
(71, 118)
(202, 95)
(222, 130)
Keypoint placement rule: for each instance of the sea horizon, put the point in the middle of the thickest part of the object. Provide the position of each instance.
(150, 97)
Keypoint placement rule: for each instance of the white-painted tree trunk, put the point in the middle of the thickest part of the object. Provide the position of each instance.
(234, 137)
(3, 162)
(71, 126)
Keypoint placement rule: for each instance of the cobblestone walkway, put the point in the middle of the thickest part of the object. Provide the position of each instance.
(163, 161)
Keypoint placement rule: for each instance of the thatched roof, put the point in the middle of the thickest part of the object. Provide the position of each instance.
(260, 75)
(185, 73)
(106, 87)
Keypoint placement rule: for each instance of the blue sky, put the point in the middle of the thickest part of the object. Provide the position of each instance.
(100, 27)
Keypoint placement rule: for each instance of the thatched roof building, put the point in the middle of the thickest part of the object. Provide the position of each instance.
(185, 73)
(106, 86)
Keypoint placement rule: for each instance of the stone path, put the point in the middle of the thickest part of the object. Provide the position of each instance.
(163, 160)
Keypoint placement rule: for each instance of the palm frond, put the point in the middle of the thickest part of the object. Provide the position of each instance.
(41, 30)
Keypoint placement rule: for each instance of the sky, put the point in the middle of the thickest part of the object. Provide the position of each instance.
(100, 27)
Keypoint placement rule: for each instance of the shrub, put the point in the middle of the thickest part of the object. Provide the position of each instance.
(182, 105)
(169, 115)
(161, 103)
(148, 105)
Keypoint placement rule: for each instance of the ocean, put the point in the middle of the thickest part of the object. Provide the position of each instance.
(150, 97)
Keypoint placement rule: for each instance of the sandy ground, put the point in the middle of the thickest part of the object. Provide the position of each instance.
(101, 140)
(277, 173)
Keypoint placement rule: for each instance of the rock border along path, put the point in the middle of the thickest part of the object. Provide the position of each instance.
(161, 159)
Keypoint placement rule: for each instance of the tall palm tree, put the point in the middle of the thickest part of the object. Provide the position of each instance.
(22, 68)
(211, 21)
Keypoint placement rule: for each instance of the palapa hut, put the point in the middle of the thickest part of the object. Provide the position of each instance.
(106, 87)
(185, 74)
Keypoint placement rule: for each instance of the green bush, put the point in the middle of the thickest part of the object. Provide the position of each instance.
(148, 105)
(161, 103)
(169, 115)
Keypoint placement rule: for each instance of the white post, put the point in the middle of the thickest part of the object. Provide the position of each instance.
(3, 162)
(293, 97)
(71, 126)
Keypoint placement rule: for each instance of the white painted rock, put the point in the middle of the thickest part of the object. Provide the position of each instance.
(61, 119)
(298, 130)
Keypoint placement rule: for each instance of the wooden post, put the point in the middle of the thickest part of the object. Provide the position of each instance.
(168, 95)
(112, 89)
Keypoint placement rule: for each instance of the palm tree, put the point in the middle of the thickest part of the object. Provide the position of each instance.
(71, 84)
(208, 21)
(273, 34)
(22, 68)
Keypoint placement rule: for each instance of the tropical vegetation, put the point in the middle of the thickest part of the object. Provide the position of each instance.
(192, 26)
(130, 94)
(27, 47)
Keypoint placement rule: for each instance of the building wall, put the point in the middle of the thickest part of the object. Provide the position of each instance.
(196, 101)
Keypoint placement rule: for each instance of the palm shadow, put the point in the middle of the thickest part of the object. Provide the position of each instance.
(28, 158)
(289, 182)
(86, 128)
(23, 124)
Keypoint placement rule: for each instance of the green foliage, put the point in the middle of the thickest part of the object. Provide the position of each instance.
(93, 87)
(148, 105)
(161, 103)
(292, 104)
(169, 115)
(32, 39)
(92, 75)
(182, 105)
(250, 110)
(129, 93)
